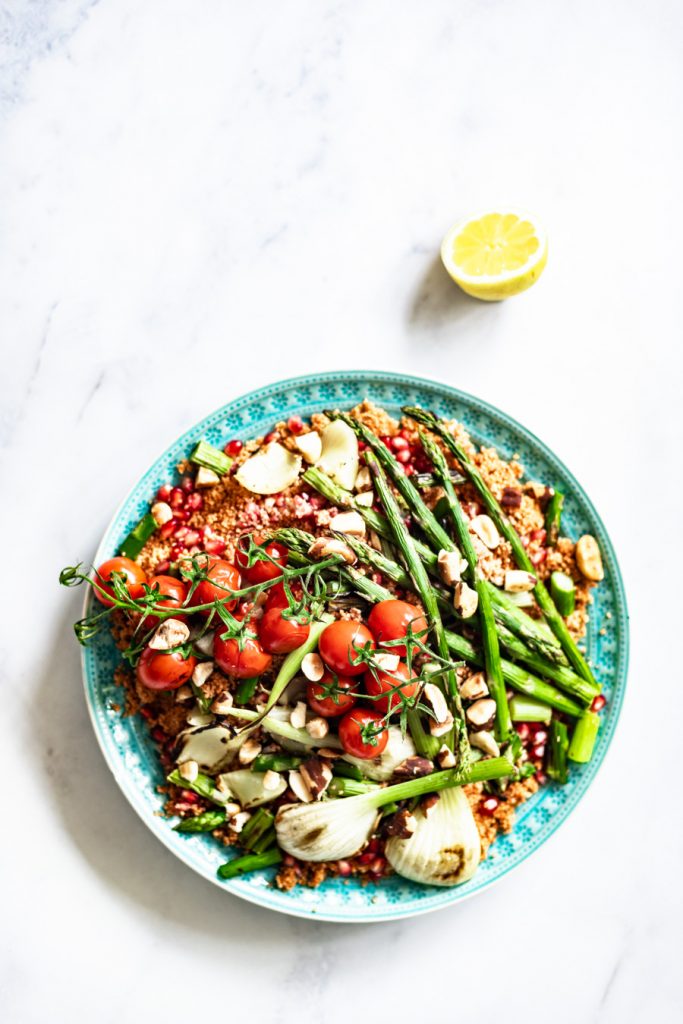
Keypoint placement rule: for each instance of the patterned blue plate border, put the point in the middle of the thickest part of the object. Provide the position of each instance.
(131, 756)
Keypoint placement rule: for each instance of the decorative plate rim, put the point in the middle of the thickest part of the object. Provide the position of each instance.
(443, 897)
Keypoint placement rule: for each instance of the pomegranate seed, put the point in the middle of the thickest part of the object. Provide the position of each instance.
(366, 858)
(489, 805)
(192, 537)
(598, 703)
(472, 509)
(194, 502)
(295, 424)
(539, 556)
(404, 455)
(213, 544)
(164, 492)
(362, 446)
(538, 535)
(405, 433)
(146, 711)
(269, 437)
(398, 442)
(378, 865)
(541, 778)
(288, 860)
(189, 797)
(168, 529)
(233, 447)
(181, 514)
(539, 752)
(176, 552)
(180, 534)
(386, 440)
(523, 731)
(525, 541)
(158, 734)
(541, 736)
(162, 567)
(409, 469)
(343, 867)
(176, 498)
(373, 846)
(187, 484)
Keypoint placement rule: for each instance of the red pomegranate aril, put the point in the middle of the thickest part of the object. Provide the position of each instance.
(538, 536)
(343, 867)
(270, 436)
(295, 424)
(489, 805)
(386, 440)
(523, 731)
(168, 529)
(189, 797)
(180, 534)
(405, 433)
(378, 866)
(234, 447)
(187, 484)
(541, 778)
(539, 752)
(598, 703)
(177, 551)
(539, 557)
(398, 443)
(162, 567)
(158, 734)
(525, 540)
(194, 502)
(404, 455)
(164, 492)
(146, 711)
(181, 514)
(192, 537)
(176, 498)
(409, 469)
(362, 446)
(541, 737)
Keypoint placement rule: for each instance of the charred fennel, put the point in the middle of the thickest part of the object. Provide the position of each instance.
(489, 636)
(423, 588)
(543, 598)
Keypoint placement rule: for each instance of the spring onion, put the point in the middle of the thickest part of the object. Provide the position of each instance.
(204, 454)
(138, 536)
(526, 709)
(246, 690)
(563, 593)
(585, 735)
(250, 862)
(558, 746)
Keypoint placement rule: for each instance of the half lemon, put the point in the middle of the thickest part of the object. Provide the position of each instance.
(495, 255)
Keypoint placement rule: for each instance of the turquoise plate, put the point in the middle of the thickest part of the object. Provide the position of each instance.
(131, 755)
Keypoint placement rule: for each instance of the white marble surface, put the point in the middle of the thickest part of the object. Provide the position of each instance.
(198, 198)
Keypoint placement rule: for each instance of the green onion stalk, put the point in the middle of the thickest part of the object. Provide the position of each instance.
(489, 636)
(543, 598)
(424, 589)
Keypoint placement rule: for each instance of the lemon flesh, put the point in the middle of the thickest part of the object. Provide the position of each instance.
(495, 255)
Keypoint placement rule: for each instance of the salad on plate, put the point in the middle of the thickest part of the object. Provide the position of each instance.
(356, 642)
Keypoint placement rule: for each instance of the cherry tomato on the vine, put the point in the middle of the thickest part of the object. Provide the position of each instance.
(131, 571)
(172, 594)
(385, 682)
(222, 580)
(340, 642)
(280, 635)
(391, 620)
(263, 570)
(242, 662)
(158, 670)
(332, 695)
(361, 733)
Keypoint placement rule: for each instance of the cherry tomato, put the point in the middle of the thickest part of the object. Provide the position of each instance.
(277, 598)
(351, 729)
(387, 681)
(172, 594)
(279, 635)
(330, 704)
(134, 576)
(389, 620)
(262, 571)
(245, 663)
(160, 671)
(223, 579)
(339, 642)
